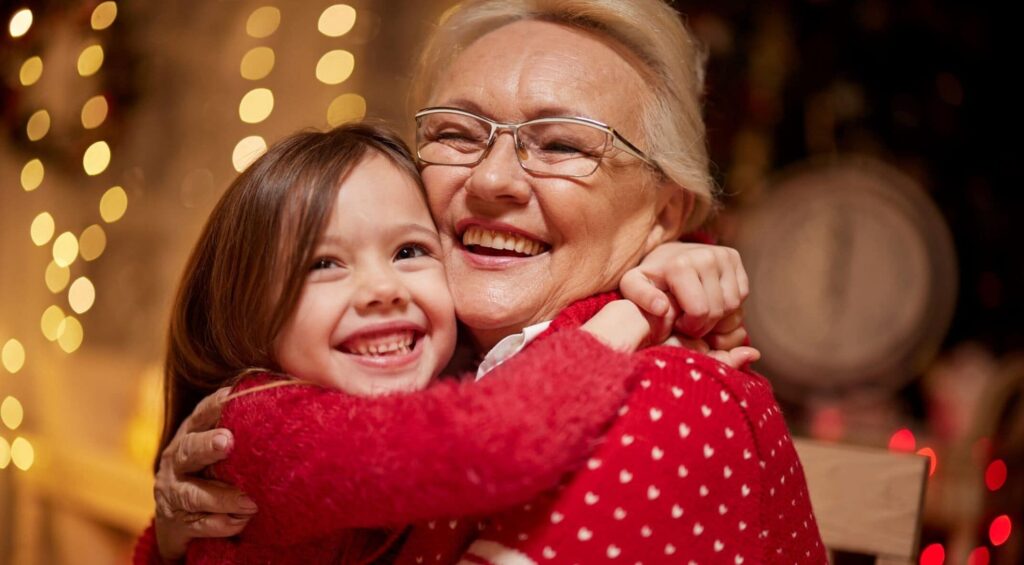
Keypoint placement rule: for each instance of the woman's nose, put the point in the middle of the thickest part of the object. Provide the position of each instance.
(499, 176)
(381, 290)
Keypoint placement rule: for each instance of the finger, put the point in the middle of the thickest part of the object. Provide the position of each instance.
(689, 293)
(199, 450)
(729, 323)
(640, 290)
(216, 525)
(743, 356)
(712, 282)
(197, 496)
(742, 280)
(731, 299)
(207, 412)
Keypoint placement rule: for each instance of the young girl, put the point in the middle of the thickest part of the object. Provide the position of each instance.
(321, 262)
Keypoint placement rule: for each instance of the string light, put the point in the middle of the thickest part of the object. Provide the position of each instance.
(65, 249)
(335, 66)
(94, 112)
(995, 475)
(263, 22)
(113, 204)
(11, 412)
(57, 277)
(933, 459)
(90, 60)
(70, 334)
(257, 63)
(103, 16)
(30, 71)
(21, 22)
(96, 158)
(346, 108)
(22, 453)
(38, 125)
(32, 175)
(42, 229)
(337, 20)
(5, 453)
(81, 295)
(979, 556)
(50, 322)
(934, 554)
(903, 440)
(256, 105)
(13, 356)
(999, 530)
(92, 242)
(246, 151)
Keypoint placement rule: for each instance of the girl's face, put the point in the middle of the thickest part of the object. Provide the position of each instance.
(375, 315)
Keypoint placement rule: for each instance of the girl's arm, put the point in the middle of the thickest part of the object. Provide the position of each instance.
(317, 461)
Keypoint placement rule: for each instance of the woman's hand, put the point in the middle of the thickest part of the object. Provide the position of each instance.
(701, 284)
(190, 507)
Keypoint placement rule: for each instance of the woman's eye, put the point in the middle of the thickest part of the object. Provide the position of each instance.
(411, 251)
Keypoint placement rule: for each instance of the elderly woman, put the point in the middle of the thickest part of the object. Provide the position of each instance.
(573, 128)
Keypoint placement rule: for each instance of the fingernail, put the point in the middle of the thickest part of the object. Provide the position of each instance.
(660, 306)
(238, 518)
(246, 503)
(221, 442)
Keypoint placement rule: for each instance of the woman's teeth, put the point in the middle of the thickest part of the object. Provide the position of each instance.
(397, 343)
(501, 241)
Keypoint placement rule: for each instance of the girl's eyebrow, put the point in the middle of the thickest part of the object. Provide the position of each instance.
(400, 229)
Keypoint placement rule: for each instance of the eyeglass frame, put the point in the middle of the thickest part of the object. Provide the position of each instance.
(618, 140)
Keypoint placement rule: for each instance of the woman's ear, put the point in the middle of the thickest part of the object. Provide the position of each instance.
(674, 205)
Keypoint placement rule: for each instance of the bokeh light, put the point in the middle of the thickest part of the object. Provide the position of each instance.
(13, 356)
(57, 277)
(70, 334)
(256, 105)
(933, 459)
(995, 475)
(257, 63)
(65, 249)
(49, 323)
(96, 158)
(11, 412)
(21, 22)
(31, 71)
(999, 530)
(335, 66)
(90, 60)
(81, 295)
(113, 204)
(979, 556)
(22, 453)
(94, 112)
(38, 125)
(92, 242)
(42, 229)
(346, 108)
(246, 151)
(32, 175)
(337, 20)
(903, 440)
(263, 22)
(934, 554)
(104, 15)
(5, 453)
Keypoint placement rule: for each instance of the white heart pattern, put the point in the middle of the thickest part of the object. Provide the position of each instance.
(684, 430)
(661, 364)
(677, 511)
(698, 529)
(670, 549)
(653, 492)
(677, 392)
(646, 383)
(727, 472)
(683, 471)
(738, 560)
(719, 546)
(593, 463)
(729, 433)
(745, 490)
(556, 517)
(625, 476)
(655, 414)
(584, 534)
(708, 451)
(627, 439)
(695, 374)
(613, 551)
(590, 498)
(657, 453)
(619, 513)
(722, 509)
(548, 553)
(703, 490)
(705, 410)
(724, 396)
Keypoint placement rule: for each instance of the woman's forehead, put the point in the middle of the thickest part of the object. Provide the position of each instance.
(534, 69)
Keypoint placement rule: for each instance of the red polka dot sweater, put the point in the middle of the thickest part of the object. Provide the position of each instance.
(320, 464)
(698, 469)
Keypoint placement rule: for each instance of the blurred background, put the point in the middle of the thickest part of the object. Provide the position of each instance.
(865, 150)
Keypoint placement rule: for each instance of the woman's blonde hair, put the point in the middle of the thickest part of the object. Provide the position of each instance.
(673, 123)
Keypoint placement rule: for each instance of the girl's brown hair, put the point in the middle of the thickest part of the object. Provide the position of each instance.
(246, 272)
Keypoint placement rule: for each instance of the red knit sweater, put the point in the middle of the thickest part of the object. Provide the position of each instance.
(699, 469)
(319, 463)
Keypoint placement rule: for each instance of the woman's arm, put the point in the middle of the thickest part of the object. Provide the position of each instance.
(317, 461)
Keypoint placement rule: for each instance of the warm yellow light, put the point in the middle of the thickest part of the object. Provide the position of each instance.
(65, 249)
(22, 453)
(246, 151)
(263, 22)
(50, 322)
(92, 242)
(104, 15)
(5, 453)
(113, 204)
(21, 21)
(42, 229)
(257, 63)
(57, 277)
(11, 412)
(96, 158)
(335, 66)
(337, 20)
(38, 125)
(70, 334)
(32, 175)
(81, 295)
(90, 60)
(346, 108)
(31, 70)
(13, 356)
(256, 105)
(94, 112)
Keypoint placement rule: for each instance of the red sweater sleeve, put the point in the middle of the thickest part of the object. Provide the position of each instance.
(317, 461)
(146, 552)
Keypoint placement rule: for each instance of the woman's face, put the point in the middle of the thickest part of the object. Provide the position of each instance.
(375, 315)
(590, 229)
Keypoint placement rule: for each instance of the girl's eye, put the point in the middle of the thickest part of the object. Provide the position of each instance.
(411, 251)
(323, 264)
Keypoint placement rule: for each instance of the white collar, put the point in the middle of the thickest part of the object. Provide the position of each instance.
(509, 346)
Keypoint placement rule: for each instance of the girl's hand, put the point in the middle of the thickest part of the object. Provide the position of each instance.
(707, 283)
(621, 325)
